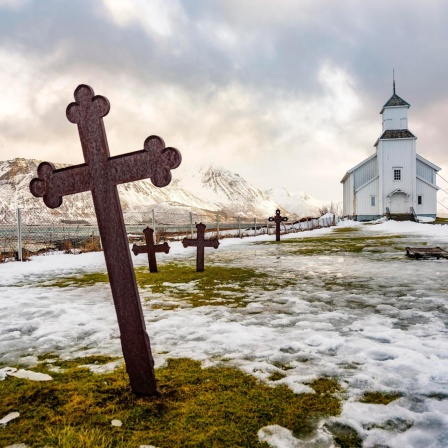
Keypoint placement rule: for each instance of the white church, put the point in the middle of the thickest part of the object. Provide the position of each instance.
(395, 181)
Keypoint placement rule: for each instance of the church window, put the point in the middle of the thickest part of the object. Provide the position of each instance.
(397, 173)
(373, 200)
(419, 200)
(403, 123)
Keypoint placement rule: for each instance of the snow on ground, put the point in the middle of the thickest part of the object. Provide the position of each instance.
(374, 320)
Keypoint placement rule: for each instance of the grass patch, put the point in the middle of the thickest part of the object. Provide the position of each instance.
(377, 397)
(439, 220)
(212, 407)
(275, 376)
(217, 285)
(89, 279)
(345, 229)
(338, 242)
(180, 283)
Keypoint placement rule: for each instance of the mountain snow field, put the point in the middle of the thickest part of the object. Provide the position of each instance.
(355, 308)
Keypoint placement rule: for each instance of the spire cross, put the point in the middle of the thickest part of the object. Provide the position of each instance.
(277, 219)
(200, 242)
(150, 248)
(101, 174)
(393, 77)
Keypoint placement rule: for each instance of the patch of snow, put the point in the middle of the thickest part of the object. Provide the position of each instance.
(30, 375)
(425, 219)
(103, 368)
(5, 371)
(278, 437)
(7, 418)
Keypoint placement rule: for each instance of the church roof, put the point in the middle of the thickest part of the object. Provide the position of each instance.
(395, 133)
(395, 100)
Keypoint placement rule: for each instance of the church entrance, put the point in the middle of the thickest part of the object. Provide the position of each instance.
(398, 203)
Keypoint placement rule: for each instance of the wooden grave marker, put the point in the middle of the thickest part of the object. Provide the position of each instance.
(150, 248)
(200, 242)
(277, 219)
(101, 174)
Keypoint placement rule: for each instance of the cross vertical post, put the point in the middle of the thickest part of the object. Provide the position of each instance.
(101, 174)
(277, 219)
(200, 242)
(150, 248)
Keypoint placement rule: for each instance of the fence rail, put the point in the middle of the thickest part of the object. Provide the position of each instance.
(24, 233)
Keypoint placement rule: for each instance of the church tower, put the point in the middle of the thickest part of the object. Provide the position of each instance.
(396, 153)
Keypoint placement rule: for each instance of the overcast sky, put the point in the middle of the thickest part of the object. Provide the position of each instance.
(283, 92)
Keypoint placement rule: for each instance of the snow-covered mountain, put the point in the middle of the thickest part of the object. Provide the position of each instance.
(205, 191)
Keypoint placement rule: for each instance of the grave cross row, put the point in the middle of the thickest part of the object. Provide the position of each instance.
(200, 242)
(150, 248)
(101, 174)
(277, 219)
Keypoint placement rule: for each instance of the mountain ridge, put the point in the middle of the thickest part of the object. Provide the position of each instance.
(205, 190)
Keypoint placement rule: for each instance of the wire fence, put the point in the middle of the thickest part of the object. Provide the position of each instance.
(27, 232)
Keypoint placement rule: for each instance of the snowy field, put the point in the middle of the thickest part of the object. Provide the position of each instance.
(373, 319)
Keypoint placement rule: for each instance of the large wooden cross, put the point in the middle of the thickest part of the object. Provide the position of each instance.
(277, 219)
(150, 248)
(101, 174)
(200, 242)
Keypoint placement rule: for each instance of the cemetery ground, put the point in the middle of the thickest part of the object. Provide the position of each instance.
(326, 338)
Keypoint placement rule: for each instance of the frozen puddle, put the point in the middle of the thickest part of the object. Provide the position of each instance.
(373, 319)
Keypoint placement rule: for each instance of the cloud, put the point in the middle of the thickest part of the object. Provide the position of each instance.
(285, 93)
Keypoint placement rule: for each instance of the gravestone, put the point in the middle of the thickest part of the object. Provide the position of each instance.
(150, 248)
(277, 219)
(101, 174)
(200, 242)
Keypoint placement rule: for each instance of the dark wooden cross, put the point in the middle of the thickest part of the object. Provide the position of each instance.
(150, 248)
(101, 174)
(277, 219)
(200, 242)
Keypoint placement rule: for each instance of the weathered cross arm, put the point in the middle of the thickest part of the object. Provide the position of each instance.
(138, 249)
(212, 243)
(188, 242)
(52, 184)
(154, 162)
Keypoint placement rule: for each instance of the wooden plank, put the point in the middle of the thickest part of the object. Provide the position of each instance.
(426, 252)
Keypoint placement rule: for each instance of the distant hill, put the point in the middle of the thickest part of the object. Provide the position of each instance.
(209, 190)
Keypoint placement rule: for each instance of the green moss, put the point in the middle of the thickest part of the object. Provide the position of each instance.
(337, 242)
(217, 285)
(377, 397)
(180, 284)
(76, 362)
(345, 229)
(213, 407)
(275, 376)
(78, 280)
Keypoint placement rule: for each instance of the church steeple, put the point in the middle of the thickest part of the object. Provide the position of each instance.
(395, 117)
(395, 100)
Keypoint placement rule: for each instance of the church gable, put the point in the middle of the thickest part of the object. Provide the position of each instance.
(366, 172)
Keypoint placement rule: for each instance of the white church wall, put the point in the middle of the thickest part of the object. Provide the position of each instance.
(428, 197)
(347, 209)
(364, 200)
(398, 154)
(395, 118)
